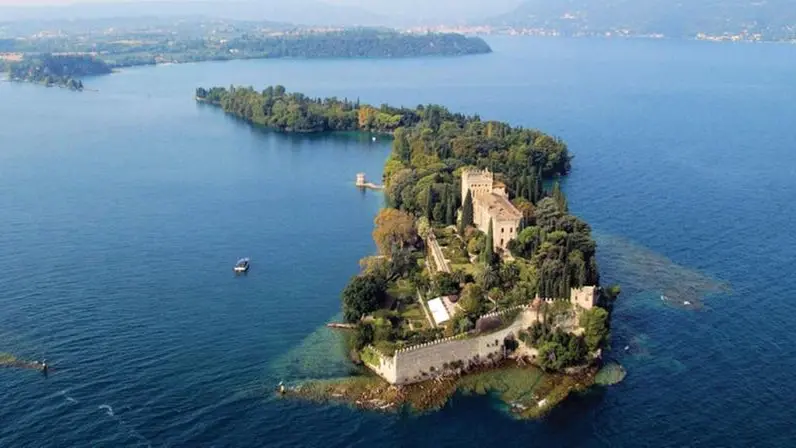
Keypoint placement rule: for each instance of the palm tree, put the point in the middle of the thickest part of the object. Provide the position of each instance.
(537, 303)
(489, 277)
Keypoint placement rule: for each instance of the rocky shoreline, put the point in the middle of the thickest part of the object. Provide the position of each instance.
(527, 391)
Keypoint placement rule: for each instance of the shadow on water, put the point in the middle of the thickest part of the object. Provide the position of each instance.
(321, 355)
(644, 273)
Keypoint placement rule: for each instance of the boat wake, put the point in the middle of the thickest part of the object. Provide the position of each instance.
(108, 409)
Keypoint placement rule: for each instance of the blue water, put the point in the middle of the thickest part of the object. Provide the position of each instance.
(123, 210)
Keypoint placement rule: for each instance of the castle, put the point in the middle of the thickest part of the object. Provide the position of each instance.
(424, 361)
(491, 202)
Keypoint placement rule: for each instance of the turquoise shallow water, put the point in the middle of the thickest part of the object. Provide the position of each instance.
(123, 211)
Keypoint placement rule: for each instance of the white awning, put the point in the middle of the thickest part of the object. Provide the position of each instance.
(438, 311)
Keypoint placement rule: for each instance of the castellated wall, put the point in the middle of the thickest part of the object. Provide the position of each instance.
(386, 369)
(415, 364)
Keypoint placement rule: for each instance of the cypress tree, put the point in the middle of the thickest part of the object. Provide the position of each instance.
(467, 211)
(429, 204)
(489, 251)
(559, 197)
(533, 195)
(539, 184)
(450, 208)
(401, 145)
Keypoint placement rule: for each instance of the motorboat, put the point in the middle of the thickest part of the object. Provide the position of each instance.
(242, 265)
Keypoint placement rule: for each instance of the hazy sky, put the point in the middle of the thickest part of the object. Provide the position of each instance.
(429, 8)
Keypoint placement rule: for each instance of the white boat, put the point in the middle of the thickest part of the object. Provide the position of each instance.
(242, 265)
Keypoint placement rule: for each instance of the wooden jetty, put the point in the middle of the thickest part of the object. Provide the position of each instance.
(341, 326)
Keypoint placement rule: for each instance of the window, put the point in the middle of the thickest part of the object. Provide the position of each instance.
(502, 229)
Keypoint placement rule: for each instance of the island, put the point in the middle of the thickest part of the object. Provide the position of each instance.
(55, 70)
(483, 278)
(60, 57)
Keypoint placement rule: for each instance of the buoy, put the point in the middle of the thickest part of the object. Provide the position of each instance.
(374, 139)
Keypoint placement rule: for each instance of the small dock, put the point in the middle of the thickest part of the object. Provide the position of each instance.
(363, 183)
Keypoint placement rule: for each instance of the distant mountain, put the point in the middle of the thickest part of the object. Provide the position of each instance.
(302, 12)
(773, 19)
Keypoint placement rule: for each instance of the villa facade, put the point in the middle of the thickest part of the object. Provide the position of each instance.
(491, 202)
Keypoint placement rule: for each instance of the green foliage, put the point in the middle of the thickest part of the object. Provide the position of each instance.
(450, 207)
(595, 324)
(557, 349)
(559, 197)
(472, 300)
(355, 43)
(423, 227)
(477, 243)
(490, 276)
(361, 296)
(489, 250)
(430, 204)
(551, 356)
(364, 335)
(463, 324)
(370, 357)
(446, 284)
(467, 213)
(62, 70)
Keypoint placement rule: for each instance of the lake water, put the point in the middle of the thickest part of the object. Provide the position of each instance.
(122, 212)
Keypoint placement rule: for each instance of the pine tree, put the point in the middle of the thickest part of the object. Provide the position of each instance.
(489, 251)
(430, 204)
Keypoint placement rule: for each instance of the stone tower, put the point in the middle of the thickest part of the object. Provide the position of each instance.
(478, 182)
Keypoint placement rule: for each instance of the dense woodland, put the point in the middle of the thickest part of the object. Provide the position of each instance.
(357, 43)
(64, 71)
(144, 48)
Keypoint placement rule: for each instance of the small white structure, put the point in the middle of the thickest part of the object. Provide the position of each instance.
(438, 311)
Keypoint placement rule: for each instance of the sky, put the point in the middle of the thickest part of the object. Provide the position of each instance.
(450, 10)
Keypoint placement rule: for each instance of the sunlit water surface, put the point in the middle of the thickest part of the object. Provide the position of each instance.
(123, 210)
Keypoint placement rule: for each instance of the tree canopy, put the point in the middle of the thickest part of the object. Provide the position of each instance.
(393, 231)
(61, 70)
(361, 296)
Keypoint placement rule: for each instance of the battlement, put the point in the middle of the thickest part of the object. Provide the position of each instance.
(506, 311)
(429, 344)
(424, 361)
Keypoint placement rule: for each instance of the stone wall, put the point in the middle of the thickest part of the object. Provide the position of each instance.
(386, 367)
(424, 361)
(585, 297)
